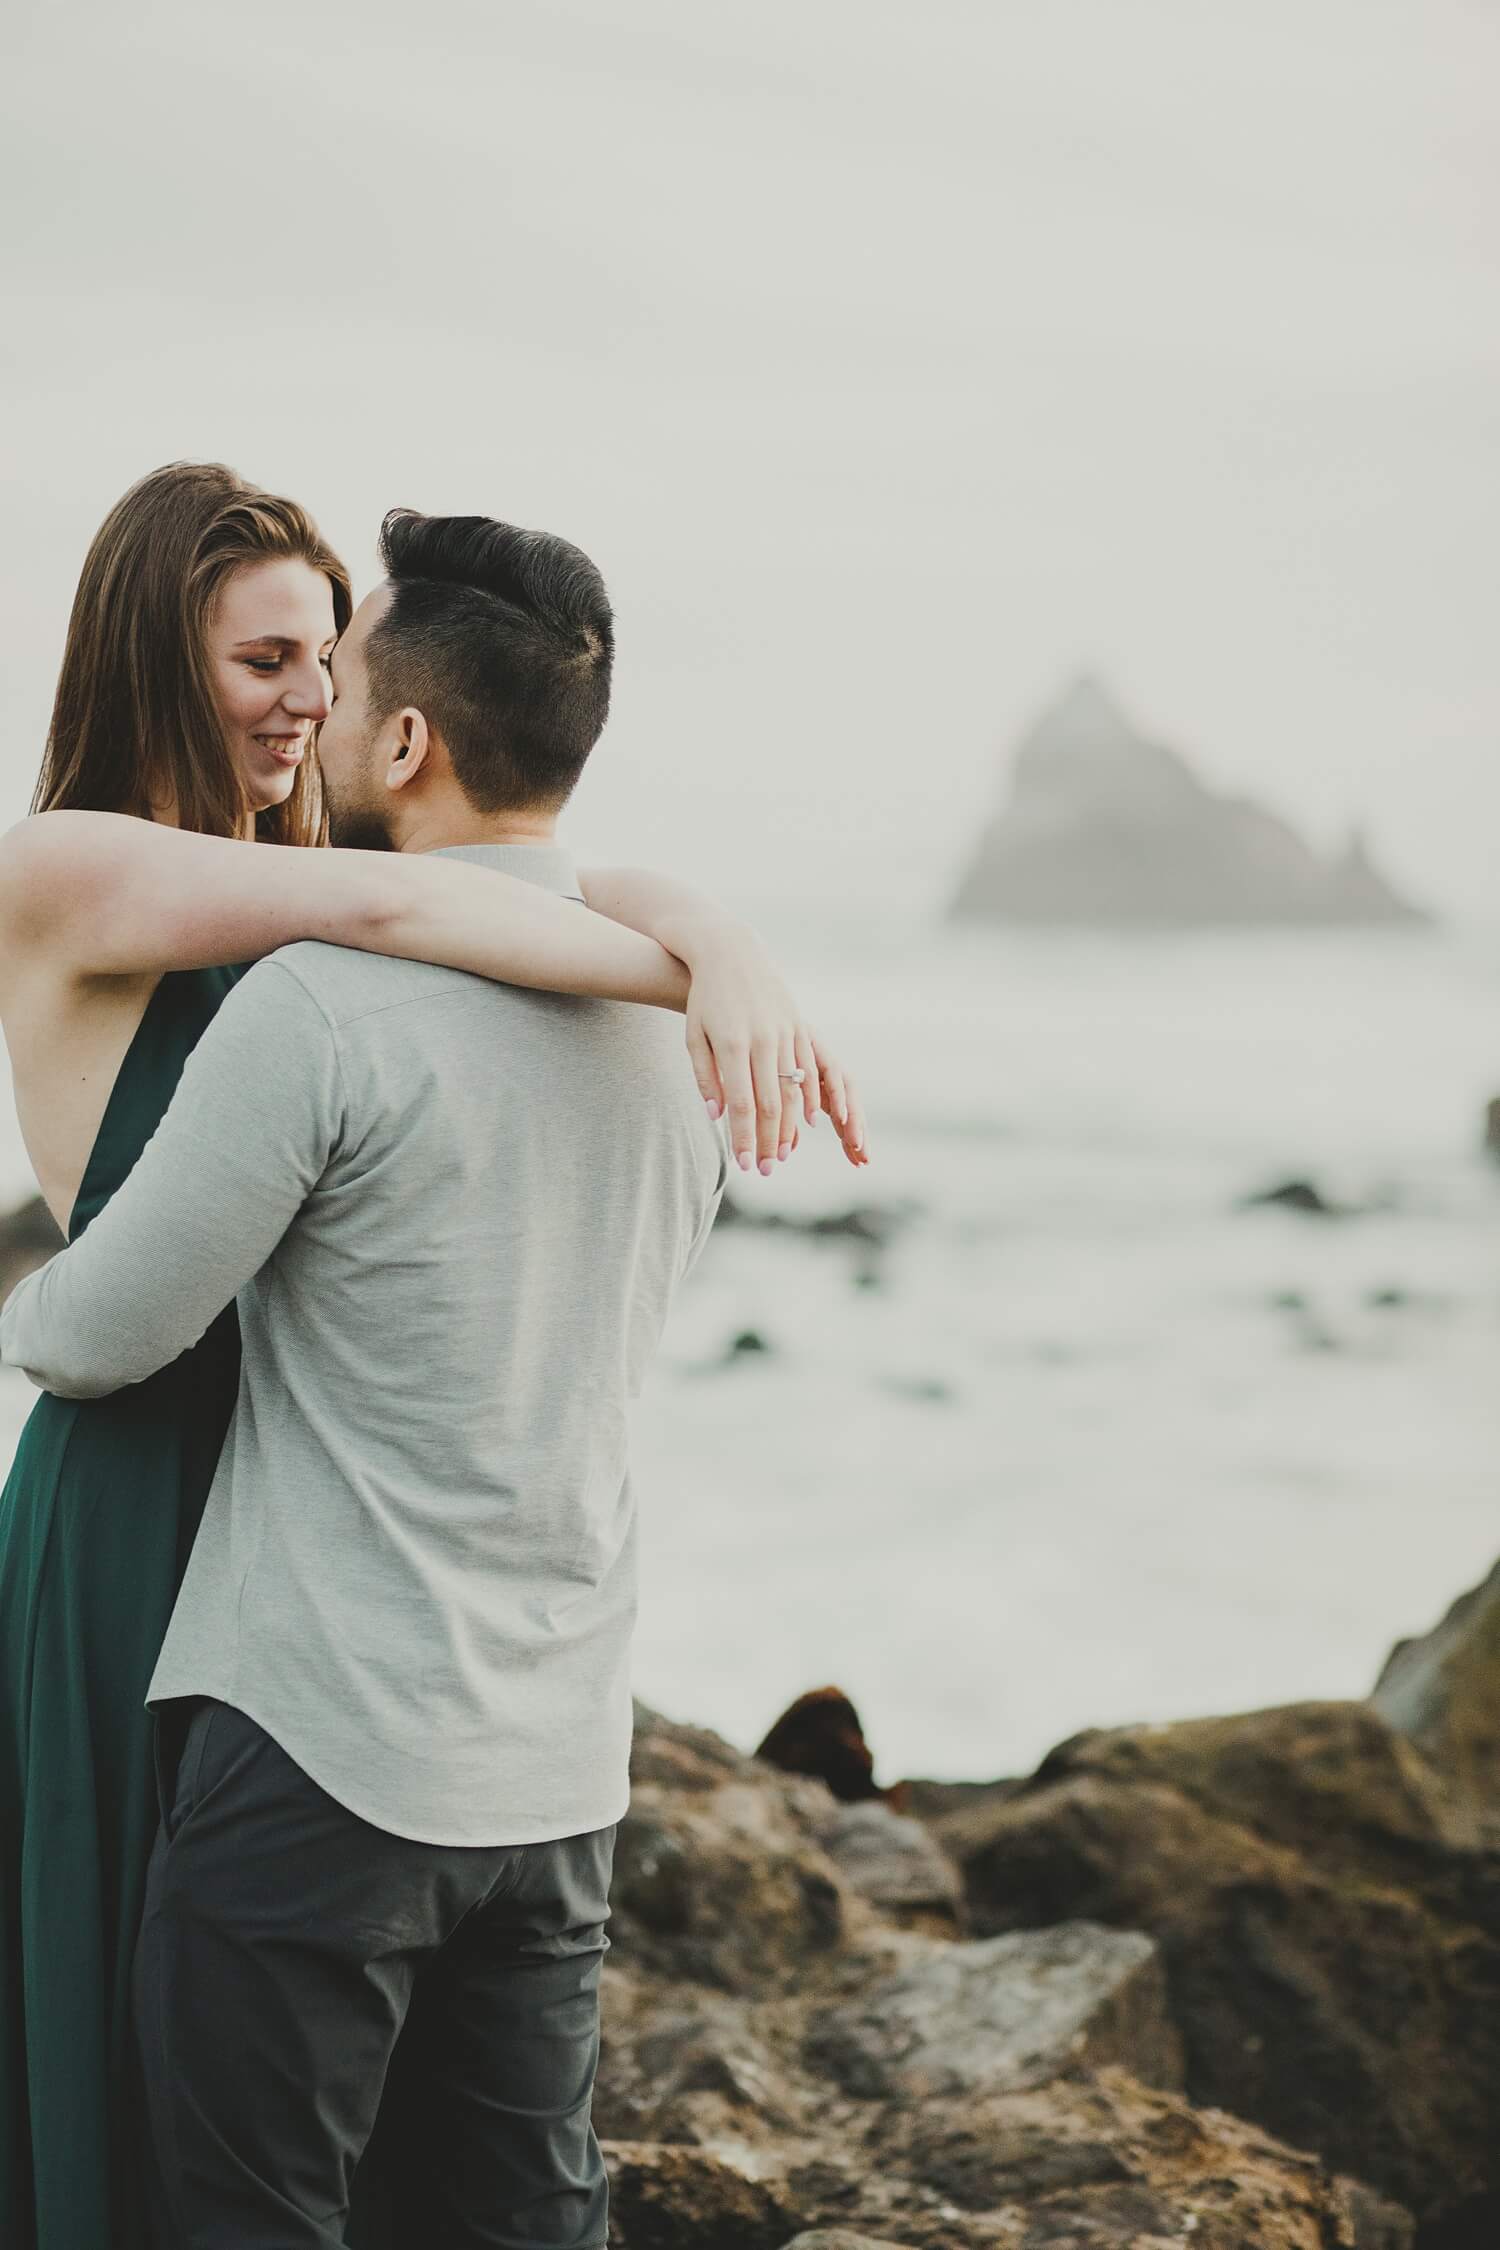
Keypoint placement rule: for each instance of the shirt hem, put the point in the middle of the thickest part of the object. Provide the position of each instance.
(437, 1833)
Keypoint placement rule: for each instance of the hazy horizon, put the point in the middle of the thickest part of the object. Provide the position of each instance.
(894, 368)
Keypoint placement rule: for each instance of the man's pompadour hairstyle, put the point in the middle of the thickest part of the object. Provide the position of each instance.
(504, 640)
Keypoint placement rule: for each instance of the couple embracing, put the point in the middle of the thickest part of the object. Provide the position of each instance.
(318, 1555)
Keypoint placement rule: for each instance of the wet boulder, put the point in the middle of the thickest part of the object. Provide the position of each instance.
(1327, 1908)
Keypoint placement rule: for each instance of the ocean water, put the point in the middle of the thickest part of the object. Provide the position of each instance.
(1088, 1442)
(1098, 1445)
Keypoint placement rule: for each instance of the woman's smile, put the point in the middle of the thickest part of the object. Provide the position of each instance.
(286, 749)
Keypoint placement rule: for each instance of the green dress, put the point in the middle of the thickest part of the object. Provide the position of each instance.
(96, 1522)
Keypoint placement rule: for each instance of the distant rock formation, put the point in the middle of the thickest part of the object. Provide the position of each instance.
(1105, 829)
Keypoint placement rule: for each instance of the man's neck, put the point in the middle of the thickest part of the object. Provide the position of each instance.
(442, 830)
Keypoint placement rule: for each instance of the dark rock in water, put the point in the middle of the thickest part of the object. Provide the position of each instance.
(1387, 1300)
(1442, 1690)
(747, 1344)
(1492, 1129)
(922, 1390)
(1106, 829)
(866, 1223)
(820, 1735)
(872, 1225)
(29, 1236)
(1292, 1195)
(1327, 1904)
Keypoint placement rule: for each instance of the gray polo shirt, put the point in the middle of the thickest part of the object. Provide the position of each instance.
(454, 1213)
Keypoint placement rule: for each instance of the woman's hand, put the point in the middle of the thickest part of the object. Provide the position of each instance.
(745, 1033)
(747, 1039)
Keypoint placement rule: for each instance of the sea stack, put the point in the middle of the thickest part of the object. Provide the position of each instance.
(1106, 829)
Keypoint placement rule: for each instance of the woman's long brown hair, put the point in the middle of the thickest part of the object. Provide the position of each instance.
(134, 725)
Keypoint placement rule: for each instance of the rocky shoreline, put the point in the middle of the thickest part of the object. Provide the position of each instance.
(1232, 1981)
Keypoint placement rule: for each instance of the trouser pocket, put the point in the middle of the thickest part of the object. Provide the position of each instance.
(177, 1755)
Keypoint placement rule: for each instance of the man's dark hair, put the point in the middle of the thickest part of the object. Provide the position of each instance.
(504, 640)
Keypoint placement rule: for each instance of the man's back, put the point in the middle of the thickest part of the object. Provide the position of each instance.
(422, 1531)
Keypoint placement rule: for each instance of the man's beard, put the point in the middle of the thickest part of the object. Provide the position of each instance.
(355, 828)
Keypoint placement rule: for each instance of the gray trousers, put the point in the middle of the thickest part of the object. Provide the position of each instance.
(288, 1945)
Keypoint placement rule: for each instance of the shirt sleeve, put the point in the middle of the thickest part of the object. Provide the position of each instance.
(256, 1116)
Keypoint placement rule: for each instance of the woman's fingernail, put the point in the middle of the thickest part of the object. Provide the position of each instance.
(783, 1152)
(766, 1167)
(744, 1160)
(714, 1111)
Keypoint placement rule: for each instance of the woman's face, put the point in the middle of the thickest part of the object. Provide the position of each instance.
(268, 647)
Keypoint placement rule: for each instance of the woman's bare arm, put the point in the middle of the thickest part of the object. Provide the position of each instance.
(101, 895)
(104, 895)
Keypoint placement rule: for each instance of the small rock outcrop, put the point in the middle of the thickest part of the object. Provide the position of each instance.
(1106, 829)
(1292, 1195)
(820, 1735)
(1442, 1690)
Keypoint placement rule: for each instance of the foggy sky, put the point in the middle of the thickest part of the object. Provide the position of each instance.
(892, 362)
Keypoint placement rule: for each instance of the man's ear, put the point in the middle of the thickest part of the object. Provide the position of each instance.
(411, 745)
